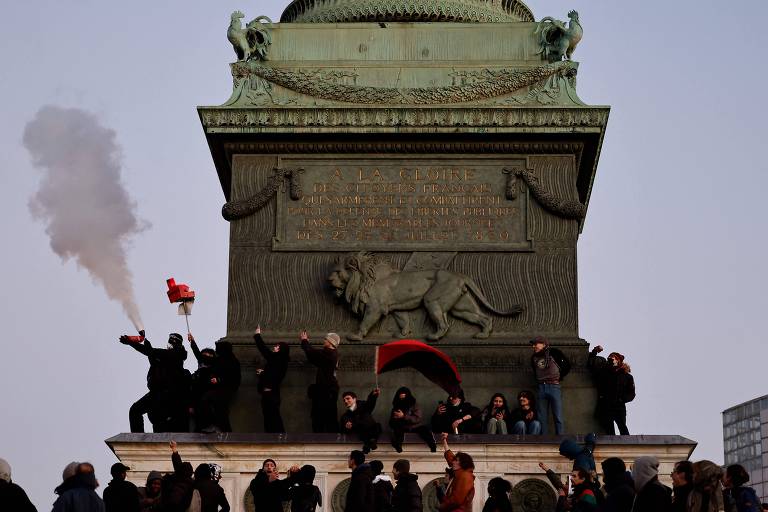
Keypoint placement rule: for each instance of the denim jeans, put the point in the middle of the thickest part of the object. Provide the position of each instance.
(550, 396)
(532, 429)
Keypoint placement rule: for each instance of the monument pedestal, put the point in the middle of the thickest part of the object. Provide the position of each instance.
(514, 458)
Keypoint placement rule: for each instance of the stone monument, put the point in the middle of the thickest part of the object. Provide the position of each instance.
(385, 178)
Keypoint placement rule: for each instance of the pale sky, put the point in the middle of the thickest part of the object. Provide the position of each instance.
(671, 261)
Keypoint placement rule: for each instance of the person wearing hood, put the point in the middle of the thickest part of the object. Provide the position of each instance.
(176, 488)
(382, 488)
(498, 496)
(615, 388)
(550, 366)
(461, 491)
(405, 416)
(358, 419)
(707, 495)
(456, 416)
(12, 496)
(651, 495)
(77, 493)
(270, 379)
(203, 380)
(324, 393)
(149, 495)
(120, 494)
(618, 486)
(268, 490)
(212, 498)
(682, 485)
(406, 496)
(737, 496)
(224, 383)
(360, 493)
(166, 403)
(304, 494)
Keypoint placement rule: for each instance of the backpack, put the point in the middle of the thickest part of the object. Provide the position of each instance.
(628, 391)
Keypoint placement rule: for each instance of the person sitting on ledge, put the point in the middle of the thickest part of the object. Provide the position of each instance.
(615, 388)
(495, 416)
(457, 416)
(324, 393)
(269, 492)
(406, 417)
(270, 379)
(524, 418)
(358, 419)
(461, 491)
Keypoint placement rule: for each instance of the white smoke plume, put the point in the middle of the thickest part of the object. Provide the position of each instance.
(89, 215)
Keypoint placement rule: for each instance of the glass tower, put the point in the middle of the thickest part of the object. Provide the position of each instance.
(745, 441)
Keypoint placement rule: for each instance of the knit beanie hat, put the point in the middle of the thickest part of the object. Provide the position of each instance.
(333, 339)
(5, 470)
(644, 470)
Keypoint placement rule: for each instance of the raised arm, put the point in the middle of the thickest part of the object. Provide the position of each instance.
(195, 348)
(175, 457)
(260, 344)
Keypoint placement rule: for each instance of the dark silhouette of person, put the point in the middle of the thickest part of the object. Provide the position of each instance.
(324, 393)
(270, 379)
(120, 494)
(406, 417)
(212, 408)
(358, 419)
(168, 382)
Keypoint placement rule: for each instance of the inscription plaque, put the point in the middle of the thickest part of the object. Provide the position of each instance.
(402, 204)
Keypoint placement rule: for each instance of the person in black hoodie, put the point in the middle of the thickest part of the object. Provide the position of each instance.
(166, 402)
(270, 379)
(77, 493)
(12, 496)
(304, 494)
(212, 498)
(382, 488)
(225, 382)
(456, 416)
(498, 496)
(406, 417)
(615, 388)
(406, 496)
(176, 488)
(203, 380)
(618, 485)
(121, 495)
(360, 493)
(358, 419)
(682, 485)
(269, 492)
(324, 393)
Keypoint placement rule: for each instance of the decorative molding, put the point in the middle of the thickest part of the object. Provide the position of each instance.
(406, 147)
(234, 210)
(466, 11)
(485, 84)
(223, 118)
(566, 208)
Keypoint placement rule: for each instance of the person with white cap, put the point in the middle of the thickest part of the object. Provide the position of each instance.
(12, 496)
(324, 393)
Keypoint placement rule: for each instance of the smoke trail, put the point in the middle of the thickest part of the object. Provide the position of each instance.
(88, 214)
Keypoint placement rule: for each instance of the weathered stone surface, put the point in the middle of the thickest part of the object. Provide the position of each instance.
(515, 458)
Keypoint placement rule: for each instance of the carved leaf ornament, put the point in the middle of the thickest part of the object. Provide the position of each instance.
(234, 210)
(498, 83)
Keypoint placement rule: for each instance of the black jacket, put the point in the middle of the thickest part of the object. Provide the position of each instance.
(276, 367)
(326, 360)
(78, 494)
(407, 494)
(615, 387)
(361, 416)
(13, 497)
(269, 496)
(360, 492)
(211, 496)
(619, 494)
(227, 368)
(121, 496)
(166, 366)
(382, 494)
(680, 498)
(562, 362)
(305, 497)
(177, 487)
(495, 504)
(442, 422)
(653, 497)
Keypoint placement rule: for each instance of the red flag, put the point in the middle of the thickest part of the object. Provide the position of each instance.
(433, 364)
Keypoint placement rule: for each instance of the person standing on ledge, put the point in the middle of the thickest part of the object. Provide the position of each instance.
(550, 366)
(324, 393)
(270, 379)
(615, 388)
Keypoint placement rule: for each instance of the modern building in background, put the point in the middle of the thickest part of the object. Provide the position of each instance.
(745, 441)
